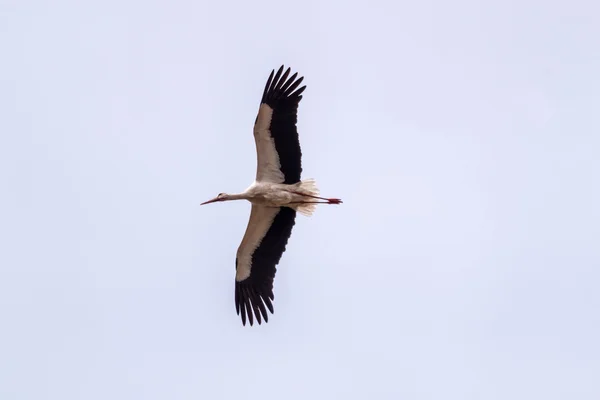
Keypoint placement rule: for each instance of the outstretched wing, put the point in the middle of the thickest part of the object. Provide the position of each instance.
(259, 253)
(275, 133)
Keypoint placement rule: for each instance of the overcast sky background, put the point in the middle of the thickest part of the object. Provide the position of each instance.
(463, 137)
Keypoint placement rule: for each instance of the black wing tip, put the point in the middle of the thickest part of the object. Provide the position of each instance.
(280, 87)
(250, 302)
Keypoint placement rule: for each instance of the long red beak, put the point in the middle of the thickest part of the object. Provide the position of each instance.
(210, 201)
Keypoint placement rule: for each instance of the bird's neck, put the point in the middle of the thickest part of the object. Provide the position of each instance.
(237, 196)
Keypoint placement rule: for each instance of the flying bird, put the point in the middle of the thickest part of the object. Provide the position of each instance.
(277, 194)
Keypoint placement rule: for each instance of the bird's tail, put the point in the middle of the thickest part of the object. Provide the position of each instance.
(309, 187)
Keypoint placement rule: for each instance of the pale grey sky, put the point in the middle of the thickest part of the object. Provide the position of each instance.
(463, 137)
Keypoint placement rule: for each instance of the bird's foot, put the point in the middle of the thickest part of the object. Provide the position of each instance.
(327, 200)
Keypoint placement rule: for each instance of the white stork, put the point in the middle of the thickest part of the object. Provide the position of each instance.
(276, 195)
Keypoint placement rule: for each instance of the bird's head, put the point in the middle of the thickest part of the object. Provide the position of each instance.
(220, 197)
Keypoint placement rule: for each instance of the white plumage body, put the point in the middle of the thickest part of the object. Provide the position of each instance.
(270, 194)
